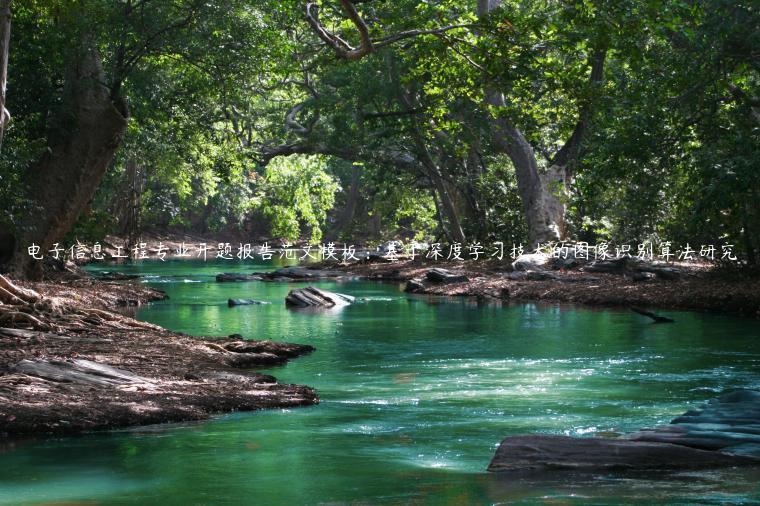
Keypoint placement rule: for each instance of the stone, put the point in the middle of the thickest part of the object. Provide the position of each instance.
(227, 277)
(245, 302)
(288, 274)
(531, 262)
(413, 286)
(544, 452)
(540, 276)
(314, 297)
(445, 276)
(723, 432)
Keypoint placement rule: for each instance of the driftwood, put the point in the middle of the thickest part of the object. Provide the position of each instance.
(78, 371)
(656, 318)
(314, 297)
(22, 308)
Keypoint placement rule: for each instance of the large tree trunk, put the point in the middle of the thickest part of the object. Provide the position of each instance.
(349, 210)
(541, 194)
(5, 40)
(81, 144)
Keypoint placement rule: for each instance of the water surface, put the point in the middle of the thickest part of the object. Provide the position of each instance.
(415, 395)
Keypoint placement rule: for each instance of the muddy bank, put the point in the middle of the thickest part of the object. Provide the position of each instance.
(69, 363)
(695, 288)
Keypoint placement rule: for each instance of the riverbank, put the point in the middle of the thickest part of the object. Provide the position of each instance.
(696, 288)
(70, 362)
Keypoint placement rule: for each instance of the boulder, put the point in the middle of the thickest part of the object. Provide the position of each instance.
(244, 302)
(730, 424)
(414, 286)
(444, 276)
(723, 432)
(227, 277)
(544, 452)
(531, 262)
(314, 297)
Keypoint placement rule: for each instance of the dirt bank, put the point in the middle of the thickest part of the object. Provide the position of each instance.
(696, 288)
(69, 363)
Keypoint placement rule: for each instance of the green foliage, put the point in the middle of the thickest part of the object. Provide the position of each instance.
(214, 88)
(295, 194)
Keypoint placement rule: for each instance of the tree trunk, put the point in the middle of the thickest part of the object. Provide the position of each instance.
(88, 130)
(352, 200)
(5, 40)
(541, 194)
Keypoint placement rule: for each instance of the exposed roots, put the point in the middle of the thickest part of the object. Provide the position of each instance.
(26, 309)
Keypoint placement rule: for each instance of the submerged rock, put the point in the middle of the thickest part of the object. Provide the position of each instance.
(445, 276)
(544, 452)
(414, 286)
(314, 297)
(730, 424)
(298, 274)
(724, 432)
(245, 302)
(227, 277)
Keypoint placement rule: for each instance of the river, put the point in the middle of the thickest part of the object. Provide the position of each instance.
(416, 394)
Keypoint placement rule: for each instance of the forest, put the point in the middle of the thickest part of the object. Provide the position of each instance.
(524, 122)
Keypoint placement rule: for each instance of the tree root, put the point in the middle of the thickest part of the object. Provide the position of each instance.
(23, 308)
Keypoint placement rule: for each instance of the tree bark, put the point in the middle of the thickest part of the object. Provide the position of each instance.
(5, 40)
(81, 143)
(541, 194)
(352, 200)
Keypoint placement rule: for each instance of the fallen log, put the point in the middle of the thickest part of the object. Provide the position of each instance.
(78, 371)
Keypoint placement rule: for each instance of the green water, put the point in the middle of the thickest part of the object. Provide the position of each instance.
(415, 395)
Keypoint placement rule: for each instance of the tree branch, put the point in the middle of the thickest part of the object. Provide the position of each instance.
(344, 50)
(569, 151)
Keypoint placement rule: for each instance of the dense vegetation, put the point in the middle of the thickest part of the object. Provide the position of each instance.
(520, 121)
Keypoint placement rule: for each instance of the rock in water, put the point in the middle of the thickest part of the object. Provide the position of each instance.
(414, 286)
(244, 302)
(227, 277)
(520, 453)
(314, 297)
(444, 276)
(297, 274)
(723, 432)
(729, 424)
